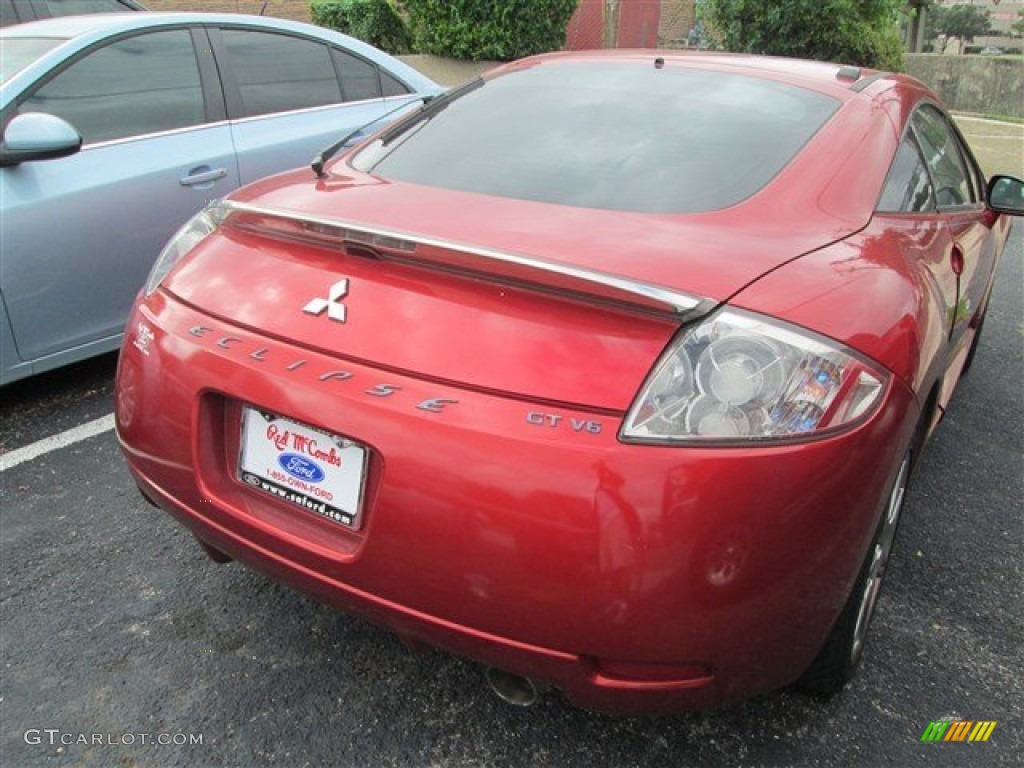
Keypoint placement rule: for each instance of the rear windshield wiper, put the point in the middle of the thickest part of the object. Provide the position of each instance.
(320, 160)
(432, 104)
(428, 110)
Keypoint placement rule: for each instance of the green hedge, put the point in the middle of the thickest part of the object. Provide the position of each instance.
(862, 32)
(372, 21)
(487, 29)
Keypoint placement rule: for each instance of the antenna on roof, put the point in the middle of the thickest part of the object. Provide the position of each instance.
(848, 73)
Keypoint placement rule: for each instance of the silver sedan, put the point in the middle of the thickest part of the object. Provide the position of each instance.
(117, 128)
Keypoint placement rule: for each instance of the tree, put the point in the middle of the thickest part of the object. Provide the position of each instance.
(1018, 25)
(933, 22)
(964, 22)
(372, 21)
(862, 32)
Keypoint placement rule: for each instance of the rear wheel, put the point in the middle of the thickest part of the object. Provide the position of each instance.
(843, 650)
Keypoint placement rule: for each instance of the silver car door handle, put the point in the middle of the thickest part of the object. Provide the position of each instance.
(203, 177)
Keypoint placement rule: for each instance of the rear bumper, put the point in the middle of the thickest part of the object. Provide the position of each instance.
(582, 679)
(522, 535)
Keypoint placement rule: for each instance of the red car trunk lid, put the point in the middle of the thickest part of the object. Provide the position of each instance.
(568, 336)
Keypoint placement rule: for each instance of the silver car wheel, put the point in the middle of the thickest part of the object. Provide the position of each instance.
(880, 550)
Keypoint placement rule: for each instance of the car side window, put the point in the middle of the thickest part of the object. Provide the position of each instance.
(908, 189)
(391, 86)
(7, 14)
(977, 175)
(78, 7)
(359, 78)
(944, 158)
(279, 73)
(133, 86)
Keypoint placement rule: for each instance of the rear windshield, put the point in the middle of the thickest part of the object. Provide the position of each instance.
(621, 136)
(16, 53)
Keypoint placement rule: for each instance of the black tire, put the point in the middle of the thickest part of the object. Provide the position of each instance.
(974, 347)
(839, 657)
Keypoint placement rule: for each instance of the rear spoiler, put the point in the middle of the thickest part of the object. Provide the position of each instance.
(463, 258)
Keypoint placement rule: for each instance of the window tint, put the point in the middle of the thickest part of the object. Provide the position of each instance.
(7, 15)
(978, 177)
(19, 11)
(277, 73)
(359, 78)
(391, 86)
(134, 86)
(76, 7)
(942, 154)
(908, 188)
(621, 136)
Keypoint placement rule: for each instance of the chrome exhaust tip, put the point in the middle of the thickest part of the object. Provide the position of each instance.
(514, 689)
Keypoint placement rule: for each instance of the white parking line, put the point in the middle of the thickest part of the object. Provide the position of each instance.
(70, 437)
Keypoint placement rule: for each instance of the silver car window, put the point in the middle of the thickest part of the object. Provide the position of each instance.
(78, 7)
(134, 86)
(359, 77)
(279, 73)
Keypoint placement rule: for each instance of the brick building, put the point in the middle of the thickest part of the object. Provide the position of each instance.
(630, 24)
(1002, 15)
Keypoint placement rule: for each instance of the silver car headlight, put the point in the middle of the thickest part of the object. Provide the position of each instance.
(197, 229)
(738, 377)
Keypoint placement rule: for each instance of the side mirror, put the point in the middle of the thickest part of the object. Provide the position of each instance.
(37, 136)
(1005, 194)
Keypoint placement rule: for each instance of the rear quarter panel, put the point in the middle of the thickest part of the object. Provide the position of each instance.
(870, 292)
(879, 292)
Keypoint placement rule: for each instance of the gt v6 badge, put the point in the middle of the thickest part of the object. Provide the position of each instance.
(554, 421)
(335, 309)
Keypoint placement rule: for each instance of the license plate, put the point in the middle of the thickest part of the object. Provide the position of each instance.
(304, 466)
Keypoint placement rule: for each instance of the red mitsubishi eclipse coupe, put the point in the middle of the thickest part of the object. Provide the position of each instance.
(607, 370)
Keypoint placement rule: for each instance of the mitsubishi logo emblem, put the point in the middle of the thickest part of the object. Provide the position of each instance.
(335, 309)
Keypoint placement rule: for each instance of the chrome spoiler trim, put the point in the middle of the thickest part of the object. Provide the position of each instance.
(404, 245)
